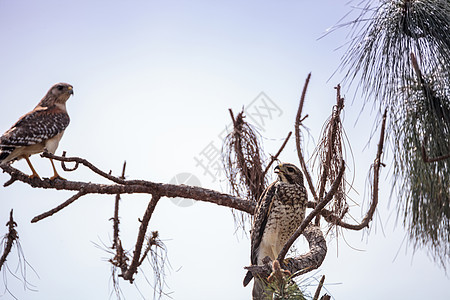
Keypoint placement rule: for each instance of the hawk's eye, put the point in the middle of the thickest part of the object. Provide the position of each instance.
(291, 170)
(60, 87)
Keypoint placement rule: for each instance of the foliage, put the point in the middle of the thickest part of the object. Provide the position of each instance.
(386, 33)
(422, 171)
(280, 285)
(289, 291)
(400, 56)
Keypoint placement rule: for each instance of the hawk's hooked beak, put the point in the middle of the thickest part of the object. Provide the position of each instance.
(276, 170)
(70, 90)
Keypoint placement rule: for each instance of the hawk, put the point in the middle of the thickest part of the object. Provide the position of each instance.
(39, 130)
(280, 211)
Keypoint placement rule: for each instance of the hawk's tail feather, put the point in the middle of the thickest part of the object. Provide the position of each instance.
(5, 151)
(248, 278)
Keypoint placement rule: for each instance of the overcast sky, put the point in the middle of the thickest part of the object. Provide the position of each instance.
(153, 82)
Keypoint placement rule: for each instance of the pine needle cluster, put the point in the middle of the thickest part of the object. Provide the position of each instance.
(400, 56)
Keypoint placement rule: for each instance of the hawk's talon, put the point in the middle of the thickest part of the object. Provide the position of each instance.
(56, 177)
(35, 175)
(266, 260)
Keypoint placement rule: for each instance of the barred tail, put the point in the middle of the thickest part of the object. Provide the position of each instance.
(248, 278)
(5, 151)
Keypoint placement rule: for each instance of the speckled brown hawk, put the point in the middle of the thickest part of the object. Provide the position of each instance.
(280, 211)
(39, 130)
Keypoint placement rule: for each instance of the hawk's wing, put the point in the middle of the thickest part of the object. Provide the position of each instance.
(261, 217)
(36, 126)
(259, 225)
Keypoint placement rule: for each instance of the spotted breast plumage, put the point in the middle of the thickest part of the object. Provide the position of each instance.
(39, 130)
(280, 211)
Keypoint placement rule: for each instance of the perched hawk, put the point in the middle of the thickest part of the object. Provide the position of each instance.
(39, 130)
(280, 211)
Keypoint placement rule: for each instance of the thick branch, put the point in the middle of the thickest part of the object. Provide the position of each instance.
(314, 258)
(298, 121)
(304, 263)
(123, 186)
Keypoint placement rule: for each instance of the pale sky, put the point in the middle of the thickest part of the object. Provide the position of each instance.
(153, 82)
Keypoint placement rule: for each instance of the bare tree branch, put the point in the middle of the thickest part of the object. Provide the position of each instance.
(325, 297)
(330, 217)
(123, 186)
(59, 207)
(248, 159)
(67, 169)
(314, 258)
(135, 262)
(116, 220)
(304, 263)
(79, 160)
(298, 121)
(319, 288)
(433, 159)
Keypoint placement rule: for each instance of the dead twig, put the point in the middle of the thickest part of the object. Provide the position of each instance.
(298, 122)
(275, 157)
(153, 246)
(433, 159)
(433, 102)
(79, 160)
(10, 238)
(59, 207)
(116, 220)
(319, 288)
(65, 168)
(136, 260)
